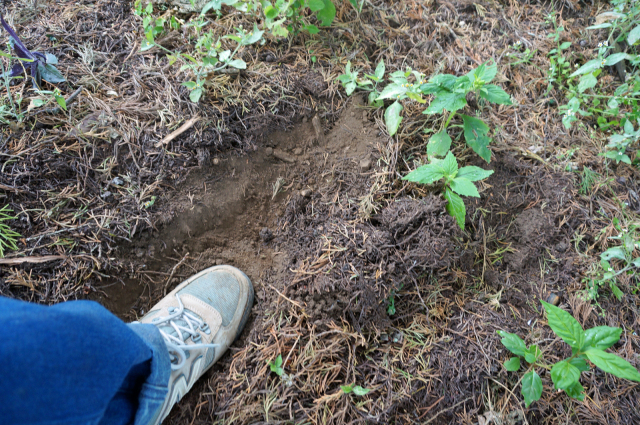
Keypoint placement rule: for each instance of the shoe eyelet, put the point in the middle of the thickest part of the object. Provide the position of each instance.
(205, 328)
(171, 309)
(195, 338)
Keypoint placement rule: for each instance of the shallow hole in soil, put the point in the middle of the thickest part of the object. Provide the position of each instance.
(226, 210)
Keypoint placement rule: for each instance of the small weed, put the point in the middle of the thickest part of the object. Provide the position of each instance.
(276, 366)
(8, 238)
(356, 389)
(565, 374)
(588, 179)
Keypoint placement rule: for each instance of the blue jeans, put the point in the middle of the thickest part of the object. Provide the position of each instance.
(76, 363)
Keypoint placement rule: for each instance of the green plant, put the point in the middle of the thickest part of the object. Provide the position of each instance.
(519, 56)
(350, 82)
(8, 237)
(286, 16)
(449, 94)
(356, 389)
(559, 66)
(208, 55)
(620, 108)
(616, 261)
(456, 182)
(565, 374)
(276, 366)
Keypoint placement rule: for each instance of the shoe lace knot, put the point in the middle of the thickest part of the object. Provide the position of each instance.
(177, 328)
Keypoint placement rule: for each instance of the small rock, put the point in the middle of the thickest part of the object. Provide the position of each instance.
(365, 164)
(269, 151)
(283, 156)
(216, 161)
(553, 299)
(298, 186)
(219, 262)
(105, 195)
(311, 181)
(139, 252)
(297, 151)
(117, 181)
(304, 120)
(353, 114)
(306, 193)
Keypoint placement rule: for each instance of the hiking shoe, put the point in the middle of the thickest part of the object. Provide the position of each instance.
(199, 320)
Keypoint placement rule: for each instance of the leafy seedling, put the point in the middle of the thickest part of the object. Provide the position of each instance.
(565, 374)
(41, 65)
(356, 389)
(457, 181)
(276, 366)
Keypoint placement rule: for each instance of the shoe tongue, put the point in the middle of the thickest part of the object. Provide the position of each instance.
(168, 329)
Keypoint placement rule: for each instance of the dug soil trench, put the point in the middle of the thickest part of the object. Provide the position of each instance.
(229, 208)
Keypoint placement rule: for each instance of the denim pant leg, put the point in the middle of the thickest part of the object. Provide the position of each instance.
(76, 363)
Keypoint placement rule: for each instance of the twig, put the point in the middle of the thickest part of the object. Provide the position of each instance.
(184, 127)
(283, 296)
(20, 260)
(166, 285)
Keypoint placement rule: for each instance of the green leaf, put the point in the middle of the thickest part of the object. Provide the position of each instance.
(474, 173)
(315, 5)
(613, 364)
(346, 388)
(270, 12)
(601, 337)
(312, 29)
(359, 391)
(531, 388)
(464, 187)
(327, 14)
(580, 363)
(634, 35)
(439, 144)
(615, 58)
(446, 102)
(513, 364)
(613, 252)
(392, 91)
(590, 66)
(565, 45)
(587, 81)
(392, 117)
(238, 63)
(449, 165)
(61, 101)
(195, 95)
(350, 87)
(495, 94)
(564, 375)
(455, 207)
(475, 133)
(576, 391)
(599, 26)
(485, 72)
(532, 354)
(379, 72)
(513, 343)
(426, 174)
(564, 325)
(50, 73)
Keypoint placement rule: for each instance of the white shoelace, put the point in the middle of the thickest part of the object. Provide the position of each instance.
(177, 344)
